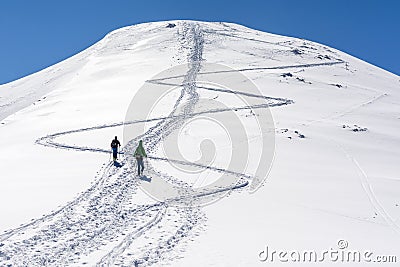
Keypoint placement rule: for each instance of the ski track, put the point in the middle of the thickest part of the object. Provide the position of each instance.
(104, 220)
(366, 185)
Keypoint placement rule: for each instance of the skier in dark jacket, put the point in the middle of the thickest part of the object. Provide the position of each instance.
(139, 155)
(114, 146)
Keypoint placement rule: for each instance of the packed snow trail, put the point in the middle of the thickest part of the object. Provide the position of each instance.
(104, 223)
(105, 216)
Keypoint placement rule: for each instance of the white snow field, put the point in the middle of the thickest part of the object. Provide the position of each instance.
(332, 193)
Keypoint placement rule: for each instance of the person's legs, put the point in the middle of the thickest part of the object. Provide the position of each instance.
(138, 166)
(142, 165)
(115, 152)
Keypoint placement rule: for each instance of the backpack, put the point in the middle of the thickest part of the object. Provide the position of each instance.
(114, 143)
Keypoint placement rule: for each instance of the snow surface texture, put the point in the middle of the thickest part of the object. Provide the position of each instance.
(335, 174)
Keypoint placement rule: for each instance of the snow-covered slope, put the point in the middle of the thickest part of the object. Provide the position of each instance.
(335, 174)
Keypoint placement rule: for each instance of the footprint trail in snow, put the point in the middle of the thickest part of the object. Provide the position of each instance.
(105, 225)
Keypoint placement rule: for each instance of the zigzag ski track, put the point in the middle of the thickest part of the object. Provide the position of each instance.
(104, 222)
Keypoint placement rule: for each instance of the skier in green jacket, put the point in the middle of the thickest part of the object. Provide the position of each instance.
(139, 155)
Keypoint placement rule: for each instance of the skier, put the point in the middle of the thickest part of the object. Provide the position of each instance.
(139, 154)
(114, 146)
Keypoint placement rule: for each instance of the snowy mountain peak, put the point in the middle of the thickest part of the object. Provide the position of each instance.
(328, 122)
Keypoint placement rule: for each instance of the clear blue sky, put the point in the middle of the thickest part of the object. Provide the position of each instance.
(40, 33)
